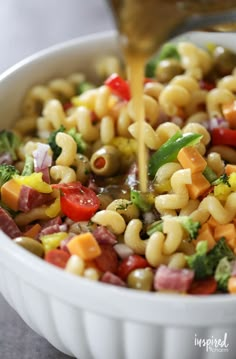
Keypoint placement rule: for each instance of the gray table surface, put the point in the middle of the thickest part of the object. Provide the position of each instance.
(28, 26)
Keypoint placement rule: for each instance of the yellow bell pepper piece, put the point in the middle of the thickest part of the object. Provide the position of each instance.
(54, 209)
(34, 181)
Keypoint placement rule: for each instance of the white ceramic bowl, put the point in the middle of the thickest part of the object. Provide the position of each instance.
(95, 320)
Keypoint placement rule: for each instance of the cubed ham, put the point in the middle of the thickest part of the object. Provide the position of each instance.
(111, 278)
(173, 279)
(30, 198)
(7, 224)
(104, 236)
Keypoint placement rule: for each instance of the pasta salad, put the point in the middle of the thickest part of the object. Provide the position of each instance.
(69, 175)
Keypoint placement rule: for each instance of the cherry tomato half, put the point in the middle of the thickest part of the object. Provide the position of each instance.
(130, 263)
(57, 257)
(203, 287)
(223, 136)
(78, 202)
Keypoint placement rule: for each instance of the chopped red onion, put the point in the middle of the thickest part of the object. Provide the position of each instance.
(6, 158)
(42, 158)
(217, 122)
(123, 250)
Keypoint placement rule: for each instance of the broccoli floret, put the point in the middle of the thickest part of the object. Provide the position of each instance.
(144, 201)
(28, 166)
(192, 227)
(222, 273)
(168, 51)
(222, 179)
(6, 173)
(203, 263)
(81, 145)
(9, 143)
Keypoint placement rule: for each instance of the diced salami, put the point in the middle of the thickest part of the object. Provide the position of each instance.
(108, 259)
(30, 198)
(50, 229)
(104, 236)
(173, 279)
(7, 224)
(51, 222)
(111, 278)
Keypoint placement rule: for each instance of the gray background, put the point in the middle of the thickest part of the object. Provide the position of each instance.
(27, 26)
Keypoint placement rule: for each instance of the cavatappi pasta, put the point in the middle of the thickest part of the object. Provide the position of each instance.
(69, 184)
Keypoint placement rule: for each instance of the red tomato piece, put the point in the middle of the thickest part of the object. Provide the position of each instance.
(58, 257)
(223, 136)
(118, 86)
(206, 85)
(130, 263)
(108, 259)
(78, 202)
(203, 287)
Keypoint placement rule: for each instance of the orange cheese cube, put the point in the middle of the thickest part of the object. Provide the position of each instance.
(189, 157)
(228, 232)
(33, 231)
(85, 246)
(230, 169)
(10, 193)
(205, 234)
(198, 186)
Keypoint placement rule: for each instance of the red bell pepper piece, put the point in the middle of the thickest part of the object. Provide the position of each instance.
(118, 86)
(223, 136)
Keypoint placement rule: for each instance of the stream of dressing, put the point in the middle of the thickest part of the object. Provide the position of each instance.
(135, 69)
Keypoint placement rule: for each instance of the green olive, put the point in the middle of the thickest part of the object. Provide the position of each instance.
(167, 69)
(224, 60)
(31, 245)
(105, 161)
(141, 278)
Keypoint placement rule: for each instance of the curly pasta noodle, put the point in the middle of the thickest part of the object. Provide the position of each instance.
(198, 98)
(89, 132)
(132, 237)
(151, 108)
(110, 219)
(153, 89)
(154, 253)
(101, 105)
(215, 99)
(35, 100)
(62, 174)
(201, 130)
(107, 129)
(154, 139)
(174, 97)
(166, 171)
(194, 60)
(210, 205)
(228, 83)
(108, 65)
(179, 198)
(187, 82)
(227, 153)
(62, 88)
(123, 122)
(68, 149)
(25, 125)
(53, 113)
(126, 208)
(36, 214)
(199, 117)
(216, 163)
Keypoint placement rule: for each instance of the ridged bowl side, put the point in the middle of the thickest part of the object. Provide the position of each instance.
(88, 335)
